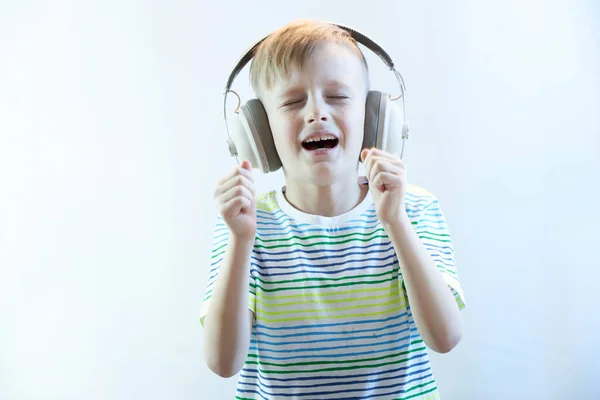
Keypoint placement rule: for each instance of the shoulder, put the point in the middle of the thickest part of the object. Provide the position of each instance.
(269, 214)
(419, 198)
(267, 202)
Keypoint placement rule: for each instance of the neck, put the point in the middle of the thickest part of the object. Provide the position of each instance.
(329, 200)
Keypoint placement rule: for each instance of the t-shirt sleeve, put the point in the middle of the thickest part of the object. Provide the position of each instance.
(219, 246)
(432, 229)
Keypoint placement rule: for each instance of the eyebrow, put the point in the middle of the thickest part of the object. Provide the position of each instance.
(289, 92)
(339, 84)
(331, 84)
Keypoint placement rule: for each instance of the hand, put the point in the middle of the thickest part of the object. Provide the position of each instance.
(235, 196)
(386, 174)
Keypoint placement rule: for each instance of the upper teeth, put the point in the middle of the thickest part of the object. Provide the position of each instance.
(318, 138)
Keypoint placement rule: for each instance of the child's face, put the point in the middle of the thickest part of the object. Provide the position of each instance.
(325, 99)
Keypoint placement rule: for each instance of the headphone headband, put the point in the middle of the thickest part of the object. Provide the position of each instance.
(357, 36)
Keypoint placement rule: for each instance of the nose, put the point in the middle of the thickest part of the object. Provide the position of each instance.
(316, 112)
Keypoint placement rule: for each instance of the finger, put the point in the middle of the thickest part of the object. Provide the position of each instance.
(364, 154)
(236, 191)
(376, 164)
(366, 158)
(231, 178)
(382, 153)
(238, 180)
(238, 170)
(383, 165)
(386, 180)
(234, 207)
(391, 158)
(246, 165)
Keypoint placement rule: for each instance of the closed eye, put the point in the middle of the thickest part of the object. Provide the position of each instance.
(291, 102)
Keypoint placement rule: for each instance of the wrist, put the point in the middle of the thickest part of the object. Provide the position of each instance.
(400, 219)
(242, 241)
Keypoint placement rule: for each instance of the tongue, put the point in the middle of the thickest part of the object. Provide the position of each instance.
(320, 144)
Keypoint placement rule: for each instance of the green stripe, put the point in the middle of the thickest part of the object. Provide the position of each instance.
(295, 371)
(445, 269)
(434, 239)
(412, 396)
(392, 289)
(291, 238)
(433, 233)
(321, 301)
(217, 249)
(321, 243)
(322, 286)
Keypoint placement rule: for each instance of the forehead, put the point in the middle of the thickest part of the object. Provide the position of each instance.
(330, 65)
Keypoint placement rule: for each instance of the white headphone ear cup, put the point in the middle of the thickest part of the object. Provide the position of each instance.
(251, 137)
(395, 129)
(241, 143)
(258, 121)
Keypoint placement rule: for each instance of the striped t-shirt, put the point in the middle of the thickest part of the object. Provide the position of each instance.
(332, 320)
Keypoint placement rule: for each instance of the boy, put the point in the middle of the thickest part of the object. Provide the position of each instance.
(334, 286)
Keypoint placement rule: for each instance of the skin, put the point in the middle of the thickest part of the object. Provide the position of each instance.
(329, 94)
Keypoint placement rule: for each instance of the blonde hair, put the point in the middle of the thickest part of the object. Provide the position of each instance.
(290, 46)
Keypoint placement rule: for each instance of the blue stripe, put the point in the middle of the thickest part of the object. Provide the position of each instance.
(297, 357)
(449, 263)
(270, 213)
(439, 247)
(254, 341)
(323, 393)
(389, 248)
(324, 251)
(317, 269)
(439, 226)
(260, 333)
(307, 251)
(214, 272)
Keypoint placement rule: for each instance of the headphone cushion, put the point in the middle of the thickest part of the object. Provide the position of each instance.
(375, 120)
(258, 123)
(371, 119)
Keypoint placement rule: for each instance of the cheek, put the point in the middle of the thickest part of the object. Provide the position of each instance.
(354, 126)
(284, 135)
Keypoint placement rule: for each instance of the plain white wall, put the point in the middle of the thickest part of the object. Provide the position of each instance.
(112, 138)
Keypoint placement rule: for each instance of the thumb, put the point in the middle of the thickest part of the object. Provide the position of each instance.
(246, 165)
(364, 154)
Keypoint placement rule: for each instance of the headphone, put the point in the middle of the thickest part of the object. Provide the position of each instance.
(250, 137)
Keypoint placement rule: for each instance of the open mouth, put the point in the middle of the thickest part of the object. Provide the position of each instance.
(320, 143)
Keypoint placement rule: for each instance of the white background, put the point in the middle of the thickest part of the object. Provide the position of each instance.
(112, 138)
